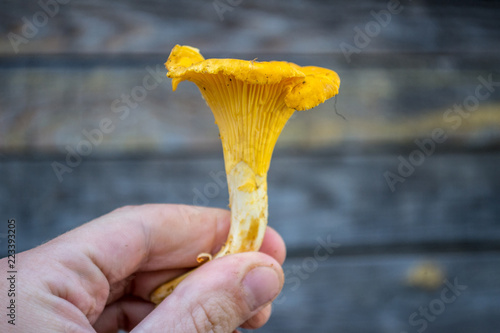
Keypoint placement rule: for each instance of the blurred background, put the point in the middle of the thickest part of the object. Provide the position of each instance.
(388, 197)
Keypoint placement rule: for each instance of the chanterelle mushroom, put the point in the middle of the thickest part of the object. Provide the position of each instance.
(251, 102)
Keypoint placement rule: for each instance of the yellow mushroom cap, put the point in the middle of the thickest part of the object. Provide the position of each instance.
(310, 86)
(319, 84)
(251, 101)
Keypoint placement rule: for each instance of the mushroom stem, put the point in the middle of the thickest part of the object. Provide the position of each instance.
(160, 293)
(248, 201)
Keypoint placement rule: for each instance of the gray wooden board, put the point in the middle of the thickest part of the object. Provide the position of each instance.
(326, 180)
(316, 200)
(451, 199)
(250, 26)
(372, 294)
(44, 108)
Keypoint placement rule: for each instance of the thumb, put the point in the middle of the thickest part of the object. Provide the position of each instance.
(218, 296)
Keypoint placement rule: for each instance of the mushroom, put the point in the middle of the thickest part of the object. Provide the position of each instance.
(251, 102)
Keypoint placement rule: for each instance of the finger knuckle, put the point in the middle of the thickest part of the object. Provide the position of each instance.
(213, 317)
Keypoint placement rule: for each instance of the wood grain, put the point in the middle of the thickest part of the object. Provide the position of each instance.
(451, 200)
(47, 106)
(252, 27)
(367, 294)
(353, 237)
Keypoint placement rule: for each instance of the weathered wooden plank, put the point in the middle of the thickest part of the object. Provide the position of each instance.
(449, 201)
(46, 108)
(256, 26)
(373, 294)
(446, 203)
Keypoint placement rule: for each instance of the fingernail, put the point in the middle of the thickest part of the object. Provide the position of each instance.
(261, 285)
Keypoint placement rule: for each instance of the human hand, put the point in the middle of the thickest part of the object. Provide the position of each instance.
(99, 276)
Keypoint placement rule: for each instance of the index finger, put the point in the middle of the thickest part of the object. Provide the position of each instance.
(149, 237)
(156, 237)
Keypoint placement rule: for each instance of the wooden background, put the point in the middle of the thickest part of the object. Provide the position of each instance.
(62, 75)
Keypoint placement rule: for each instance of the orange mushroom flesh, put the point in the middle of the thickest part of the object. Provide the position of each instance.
(251, 102)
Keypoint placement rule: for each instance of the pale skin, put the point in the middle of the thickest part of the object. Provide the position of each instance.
(98, 277)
